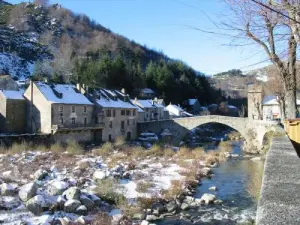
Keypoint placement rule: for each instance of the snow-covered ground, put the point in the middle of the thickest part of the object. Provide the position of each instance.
(57, 176)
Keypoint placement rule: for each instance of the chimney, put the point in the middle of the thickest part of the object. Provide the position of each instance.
(135, 100)
(155, 99)
(123, 90)
(45, 80)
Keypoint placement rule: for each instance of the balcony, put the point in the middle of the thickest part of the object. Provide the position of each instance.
(77, 127)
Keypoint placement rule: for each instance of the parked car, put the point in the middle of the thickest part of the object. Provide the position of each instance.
(148, 137)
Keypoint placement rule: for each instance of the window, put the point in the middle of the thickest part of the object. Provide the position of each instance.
(114, 113)
(123, 112)
(127, 112)
(110, 124)
(61, 121)
(73, 120)
(13, 116)
(128, 122)
(109, 138)
(122, 125)
(73, 108)
(108, 113)
(85, 121)
(84, 108)
(133, 112)
(133, 122)
(61, 108)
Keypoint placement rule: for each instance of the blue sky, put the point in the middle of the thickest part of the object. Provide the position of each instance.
(162, 25)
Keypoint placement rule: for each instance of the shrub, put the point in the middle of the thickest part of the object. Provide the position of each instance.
(106, 190)
(143, 186)
(105, 150)
(120, 141)
(73, 148)
(19, 148)
(168, 152)
(102, 218)
(185, 153)
(173, 191)
(57, 148)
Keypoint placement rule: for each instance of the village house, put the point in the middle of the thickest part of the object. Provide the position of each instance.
(61, 110)
(7, 83)
(152, 109)
(146, 93)
(192, 106)
(176, 111)
(114, 109)
(12, 112)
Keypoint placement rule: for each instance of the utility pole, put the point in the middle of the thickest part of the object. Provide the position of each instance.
(31, 105)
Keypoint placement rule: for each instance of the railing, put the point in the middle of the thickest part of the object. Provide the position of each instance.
(292, 128)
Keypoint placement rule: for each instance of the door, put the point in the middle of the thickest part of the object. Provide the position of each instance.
(128, 136)
(98, 136)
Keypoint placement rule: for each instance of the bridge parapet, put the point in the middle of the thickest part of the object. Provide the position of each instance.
(280, 196)
(252, 131)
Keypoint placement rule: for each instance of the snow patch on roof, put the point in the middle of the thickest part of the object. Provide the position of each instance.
(192, 101)
(13, 94)
(68, 92)
(270, 100)
(147, 91)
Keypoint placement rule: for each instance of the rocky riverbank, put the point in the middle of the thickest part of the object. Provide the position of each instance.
(111, 183)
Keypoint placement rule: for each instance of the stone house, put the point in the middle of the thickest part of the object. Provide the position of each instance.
(152, 109)
(192, 106)
(7, 83)
(61, 110)
(177, 111)
(146, 93)
(12, 112)
(270, 108)
(115, 110)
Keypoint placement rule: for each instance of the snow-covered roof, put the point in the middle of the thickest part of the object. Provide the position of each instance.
(18, 95)
(176, 107)
(62, 93)
(192, 101)
(145, 103)
(147, 91)
(106, 102)
(269, 100)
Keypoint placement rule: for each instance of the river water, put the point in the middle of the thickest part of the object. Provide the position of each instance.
(231, 179)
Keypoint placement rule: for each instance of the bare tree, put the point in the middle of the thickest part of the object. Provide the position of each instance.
(274, 34)
(41, 2)
(274, 86)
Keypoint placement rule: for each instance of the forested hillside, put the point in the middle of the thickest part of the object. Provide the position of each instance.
(51, 41)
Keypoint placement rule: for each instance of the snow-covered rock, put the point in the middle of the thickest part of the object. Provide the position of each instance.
(71, 205)
(99, 174)
(81, 210)
(72, 193)
(8, 189)
(208, 198)
(57, 187)
(27, 191)
(40, 174)
(36, 204)
(213, 188)
(87, 202)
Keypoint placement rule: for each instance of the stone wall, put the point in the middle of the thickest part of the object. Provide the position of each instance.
(280, 196)
(79, 136)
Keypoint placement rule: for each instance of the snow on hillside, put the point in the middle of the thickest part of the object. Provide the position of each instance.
(15, 66)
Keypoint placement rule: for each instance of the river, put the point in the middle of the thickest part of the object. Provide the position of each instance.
(231, 179)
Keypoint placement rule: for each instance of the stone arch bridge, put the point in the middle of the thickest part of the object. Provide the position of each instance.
(253, 131)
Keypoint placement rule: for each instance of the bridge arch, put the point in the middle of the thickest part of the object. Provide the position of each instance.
(237, 123)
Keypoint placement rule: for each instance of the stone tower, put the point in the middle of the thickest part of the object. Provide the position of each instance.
(255, 95)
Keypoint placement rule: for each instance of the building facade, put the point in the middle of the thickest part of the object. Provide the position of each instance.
(7, 83)
(12, 112)
(119, 116)
(61, 110)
